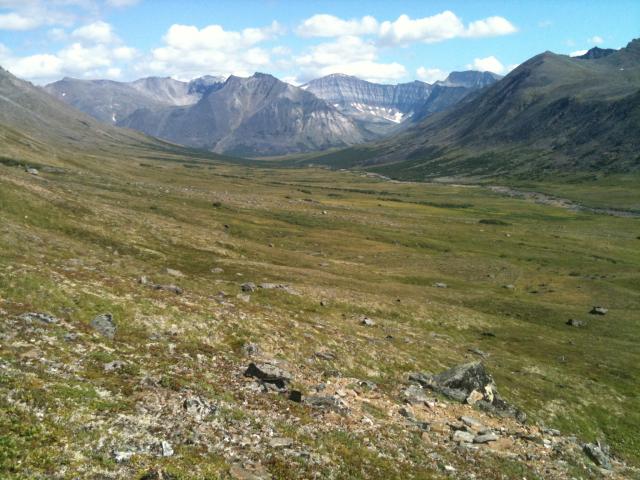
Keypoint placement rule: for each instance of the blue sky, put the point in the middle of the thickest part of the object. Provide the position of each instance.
(383, 41)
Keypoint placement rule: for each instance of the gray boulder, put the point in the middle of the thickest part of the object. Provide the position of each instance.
(38, 317)
(598, 311)
(597, 455)
(105, 325)
(269, 373)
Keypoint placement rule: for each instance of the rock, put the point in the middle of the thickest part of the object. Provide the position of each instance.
(414, 395)
(328, 402)
(32, 171)
(479, 352)
(461, 436)
(295, 396)
(367, 322)
(473, 423)
(105, 325)
(269, 373)
(70, 337)
(328, 356)
(39, 317)
(469, 383)
(474, 397)
(323, 303)
(248, 287)
(440, 426)
(597, 455)
(122, 457)
(169, 288)
(599, 311)
(238, 472)
(174, 273)
(113, 366)
(576, 323)
(217, 270)
(250, 349)
(280, 442)
(509, 287)
(198, 407)
(167, 449)
(440, 285)
(143, 280)
(485, 438)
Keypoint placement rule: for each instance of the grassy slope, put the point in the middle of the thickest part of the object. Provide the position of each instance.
(73, 244)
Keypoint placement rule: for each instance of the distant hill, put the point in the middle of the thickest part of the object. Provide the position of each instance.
(552, 114)
(111, 101)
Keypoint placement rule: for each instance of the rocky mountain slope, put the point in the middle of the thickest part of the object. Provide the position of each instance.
(553, 113)
(382, 107)
(259, 115)
(110, 101)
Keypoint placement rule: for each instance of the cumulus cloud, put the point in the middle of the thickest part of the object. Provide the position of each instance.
(98, 32)
(323, 25)
(488, 64)
(122, 3)
(596, 40)
(15, 21)
(431, 75)
(189, 51)
(350, 55)
(405, 30)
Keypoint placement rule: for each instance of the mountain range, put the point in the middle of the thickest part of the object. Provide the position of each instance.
(553, 113)
(260, 115)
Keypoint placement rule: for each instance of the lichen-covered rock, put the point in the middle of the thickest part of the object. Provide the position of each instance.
(105, 325)
(269, 373)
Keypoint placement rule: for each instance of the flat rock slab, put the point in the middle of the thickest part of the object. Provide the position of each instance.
(38, 317)
(485, 438)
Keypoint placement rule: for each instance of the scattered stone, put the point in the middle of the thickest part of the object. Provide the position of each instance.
(105, 325)
(70, 337)
(479, 352)
(597, 455)
(122, 457)
(485, 438)
(323, 303)
(461, 436)
(217, 270)
(599, 311)
(414, 395)
(198, 407)
(329, 402)
(269, 373)
(440, 285)
(440, 426)
(367, 322)
(280, 442)
(250, 349)
(295, 396)
(38, 317)
(474, 397)
(175, 273)
(576, 323)
(169, 288)
(113, 366)
(248, 287)
(143, 280)
(167, 449)
(32, 171)
(328, 356)
(509, 287)
(473, 423)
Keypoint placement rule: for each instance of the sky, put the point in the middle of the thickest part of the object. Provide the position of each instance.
(381, 41)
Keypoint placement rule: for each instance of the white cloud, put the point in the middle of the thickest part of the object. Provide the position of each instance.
(323, 25)
(596, 40)
(490, 27)
(350, 55)
(122, 3)
(98, 32)
(189, 51)
(487, 64)
(124, 53)
(15, 21)
(431, 75)
(405, 30)
(578, 53)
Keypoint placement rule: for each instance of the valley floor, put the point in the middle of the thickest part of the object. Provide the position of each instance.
(447, 274)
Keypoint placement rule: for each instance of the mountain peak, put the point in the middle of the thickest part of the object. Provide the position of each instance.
(597, 52)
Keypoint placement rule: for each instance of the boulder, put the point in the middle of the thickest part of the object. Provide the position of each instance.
(485, 438)
(461, 436)
(471, 383)
(597, 455)
(269, 373)
(248, 287)
(576, 323)
(105, 325)
(598, 311)
(367, 322)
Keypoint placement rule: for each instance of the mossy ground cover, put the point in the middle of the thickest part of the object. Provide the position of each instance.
(74, 245)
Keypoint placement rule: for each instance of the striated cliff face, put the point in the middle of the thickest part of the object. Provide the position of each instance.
(259, 115)
(381, 108)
